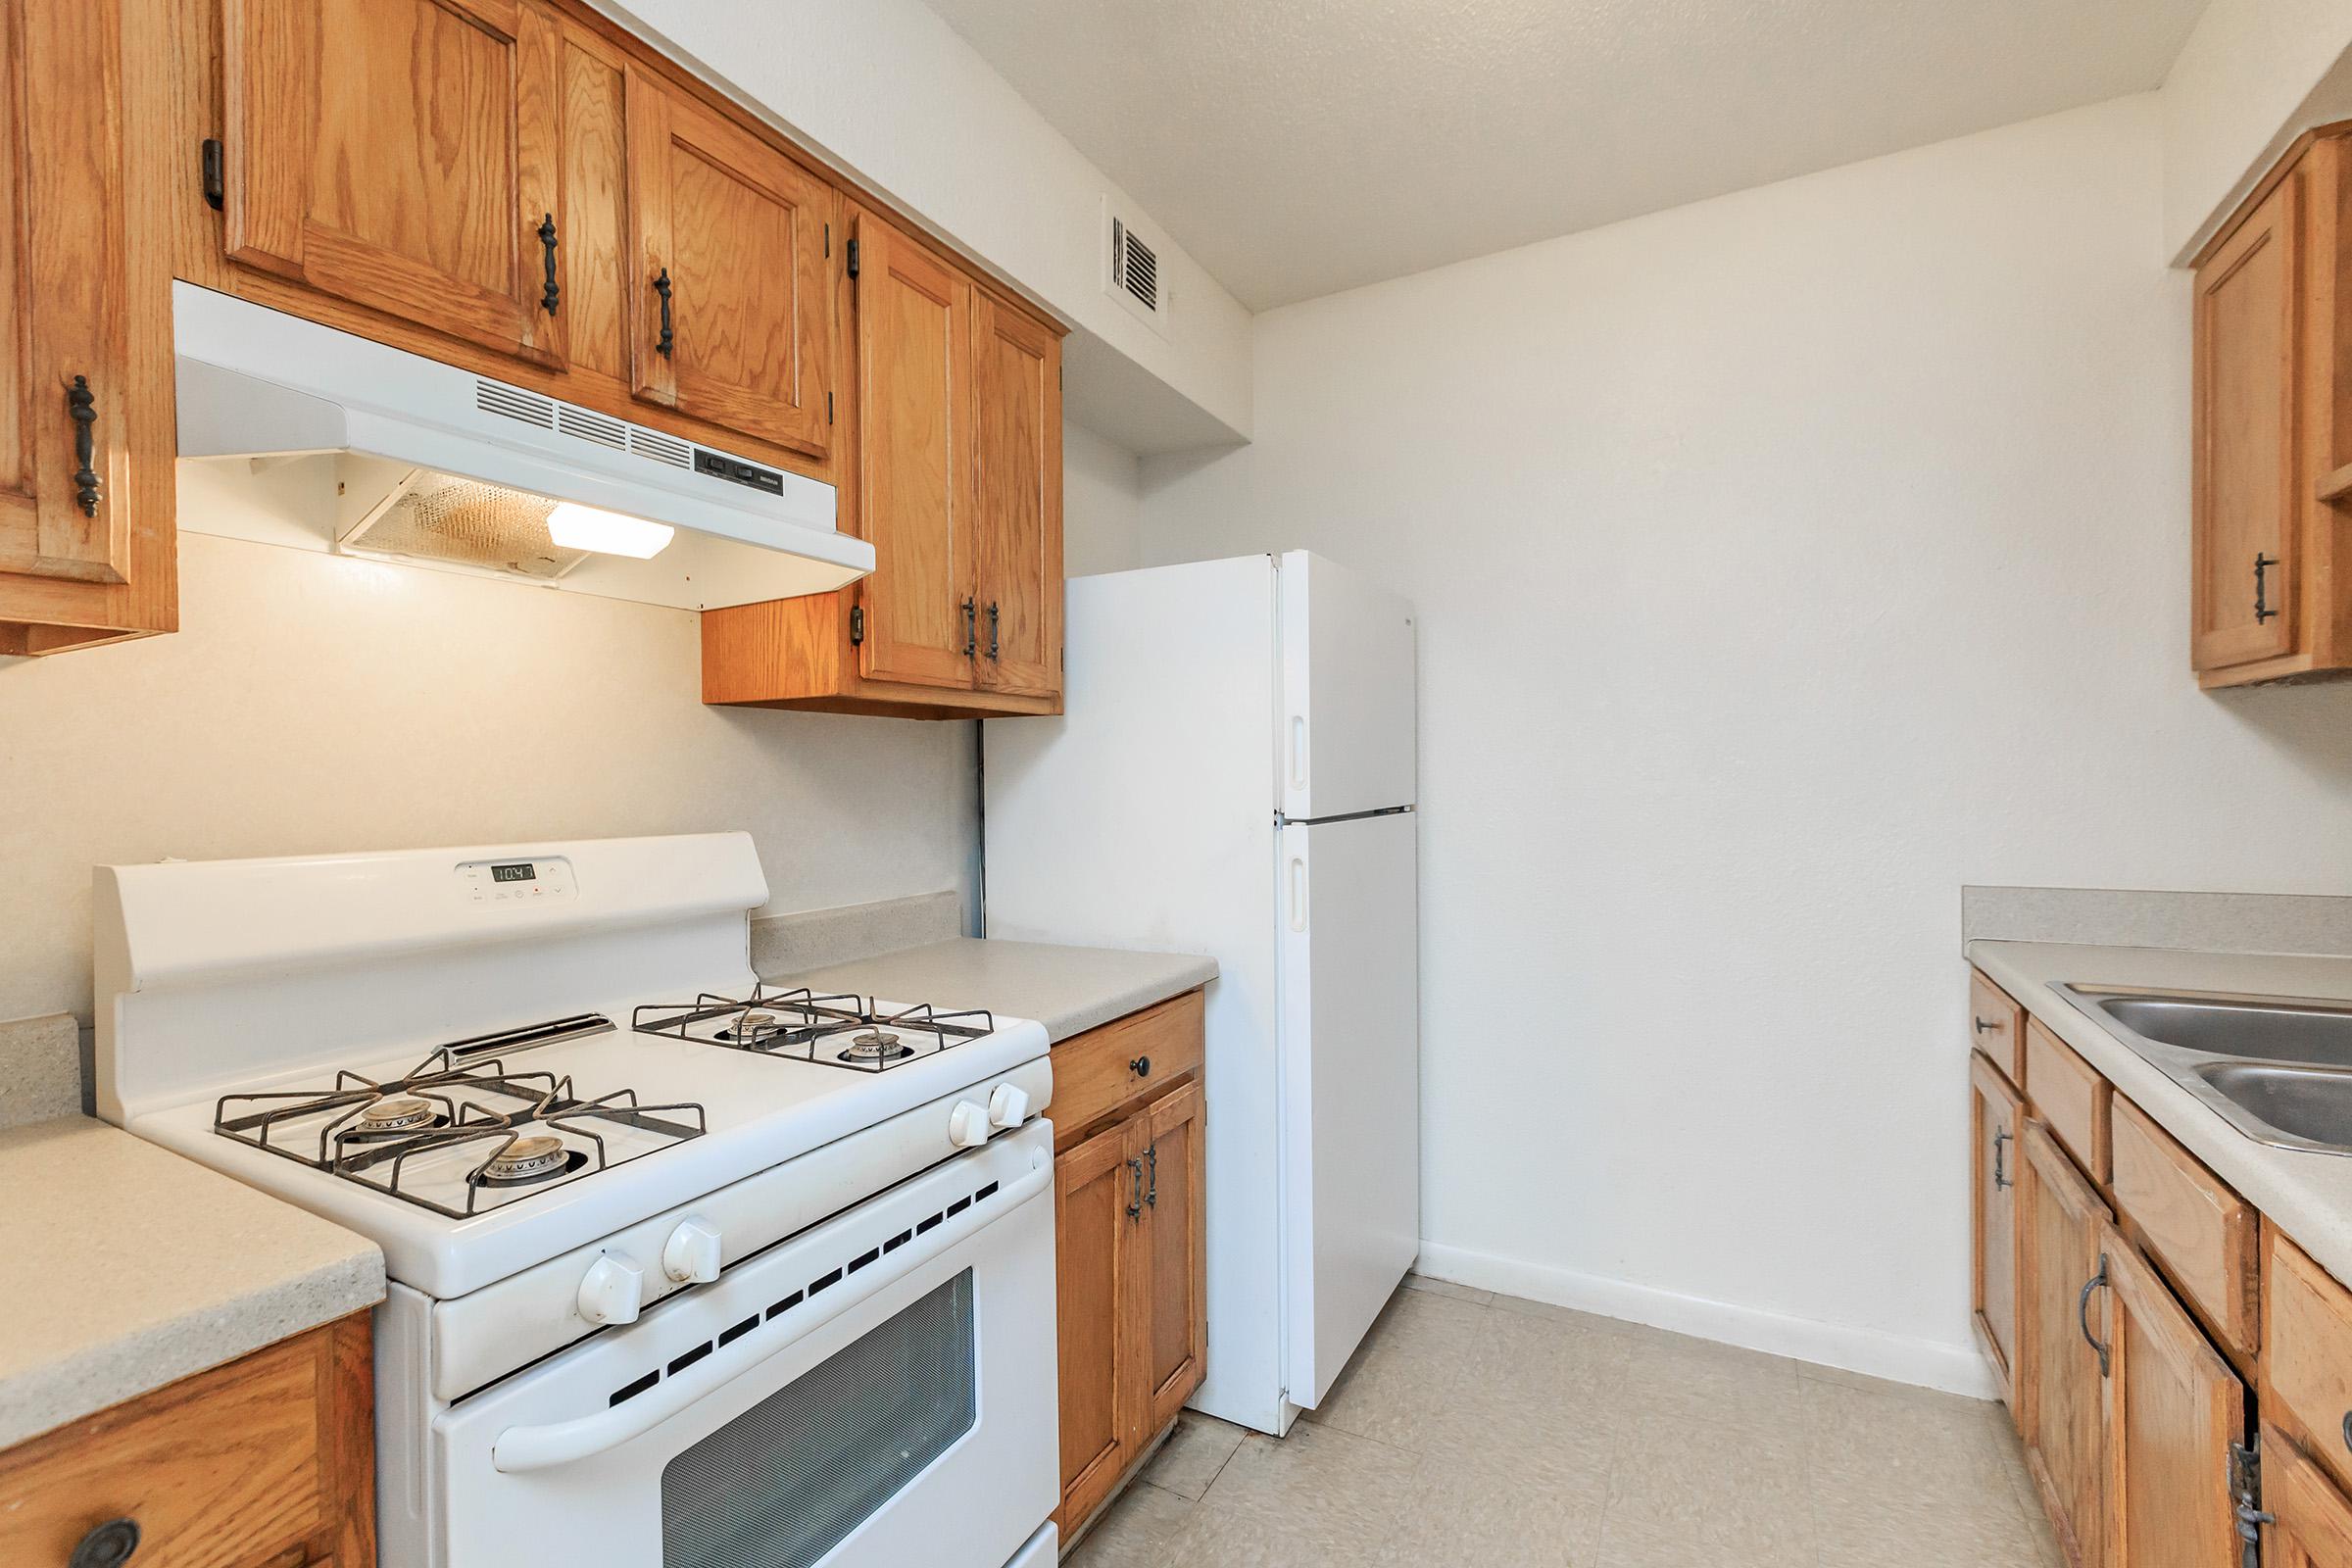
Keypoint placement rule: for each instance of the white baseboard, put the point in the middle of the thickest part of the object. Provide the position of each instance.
(1928, 1363)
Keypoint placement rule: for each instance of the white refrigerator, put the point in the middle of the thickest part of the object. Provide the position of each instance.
(1233, 775)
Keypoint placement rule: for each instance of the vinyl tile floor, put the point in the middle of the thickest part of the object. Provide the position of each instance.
(1477, 1427)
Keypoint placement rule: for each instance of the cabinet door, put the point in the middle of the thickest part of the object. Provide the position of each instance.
(2246, 491)
(1175, 1204)
(2311, 1523)
(914, 460)
(1018, 422)
(400, 155)
(2065, 1319)
(64, 334)
(734, 317)
(1995, 1114)
(1098, 1189)
(2174, 1409)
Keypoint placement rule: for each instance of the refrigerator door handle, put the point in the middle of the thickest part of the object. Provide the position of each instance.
(1298, 893)
(1298, 751)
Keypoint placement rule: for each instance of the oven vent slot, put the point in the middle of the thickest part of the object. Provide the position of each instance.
(777, 1308)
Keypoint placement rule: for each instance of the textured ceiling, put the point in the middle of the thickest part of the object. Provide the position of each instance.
(1296, 147)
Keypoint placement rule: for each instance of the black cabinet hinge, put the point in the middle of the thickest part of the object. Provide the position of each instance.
(216, 173)
(853, 251)
(856, 624)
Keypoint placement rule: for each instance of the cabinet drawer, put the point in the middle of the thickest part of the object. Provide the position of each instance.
(266, 1460)
(1996, 1026)
(2206, 1236)
(1123, 1062)
(2307, 1353)
(2069, 1094)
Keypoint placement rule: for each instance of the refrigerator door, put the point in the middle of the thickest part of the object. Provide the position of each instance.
(1351, 1086)
(1346, 742)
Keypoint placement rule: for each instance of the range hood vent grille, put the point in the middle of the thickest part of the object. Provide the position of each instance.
(542, 412)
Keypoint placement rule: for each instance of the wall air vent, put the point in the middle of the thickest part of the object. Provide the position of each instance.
(1132, 273)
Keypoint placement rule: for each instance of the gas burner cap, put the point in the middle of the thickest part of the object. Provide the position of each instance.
(528, 1160)
(753, 1027)
(875, 1045)
(399, 1114)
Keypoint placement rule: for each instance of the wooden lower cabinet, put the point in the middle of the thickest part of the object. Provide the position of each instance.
(1997, 1113)
(1131, 1248)
(2064, 1310)
(2310, 1523)
(265, 1462)
(2175, 1412)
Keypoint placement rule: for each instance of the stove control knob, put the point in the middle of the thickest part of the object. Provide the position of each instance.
(967, 1124)
(612, 1291)
(1007, 1106)
(691, 1254)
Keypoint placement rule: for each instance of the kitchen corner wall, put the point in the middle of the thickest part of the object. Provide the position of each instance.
(1783, 562)
(312, 703)
(1102, 505)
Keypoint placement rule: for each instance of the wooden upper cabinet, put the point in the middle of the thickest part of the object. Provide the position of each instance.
(914, 460)
(2271, 502)
(64, 336)
(2249, 300)
(1017, 555)
(734, 312)
(400, 155)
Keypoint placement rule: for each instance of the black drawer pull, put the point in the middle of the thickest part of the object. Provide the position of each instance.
(1141, 1066)
(666, 345)
(108, 1546)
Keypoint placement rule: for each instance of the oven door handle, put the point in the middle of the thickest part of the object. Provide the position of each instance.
(523, 1448)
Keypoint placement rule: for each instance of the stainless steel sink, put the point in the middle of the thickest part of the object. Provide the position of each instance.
(2276, 1068)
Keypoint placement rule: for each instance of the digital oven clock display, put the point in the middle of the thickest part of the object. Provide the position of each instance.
(514, 873)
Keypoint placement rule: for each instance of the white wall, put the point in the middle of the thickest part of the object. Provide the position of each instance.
(1102, 504)
(317, 703)
(2253, 76)
(890, 92)
(1784, 562)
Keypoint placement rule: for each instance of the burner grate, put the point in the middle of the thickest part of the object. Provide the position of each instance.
(377, 1150)
(846, 1031)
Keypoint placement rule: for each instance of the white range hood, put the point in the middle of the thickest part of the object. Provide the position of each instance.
(301, 434)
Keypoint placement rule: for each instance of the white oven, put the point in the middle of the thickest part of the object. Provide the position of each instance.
(874, 1392)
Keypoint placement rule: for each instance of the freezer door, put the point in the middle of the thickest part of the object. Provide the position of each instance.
(1347, 742)
(1351, 1086)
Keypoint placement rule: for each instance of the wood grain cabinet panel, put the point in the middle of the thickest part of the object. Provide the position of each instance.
(2307, 1355)
(2070, 1096)
(1107, 1071)
(2175, 1411)
(267, 1460)
(1996, 1026)
(1996, 1116)
(1175, 1198)
(2064, 1319)
(402, 154)
(2206, 1237)
(2311, 1522)
(1100, 1286)
(734, 309)
(86, 530)
(1017, 578)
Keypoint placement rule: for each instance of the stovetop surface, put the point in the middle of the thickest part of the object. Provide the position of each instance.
(447, 1232)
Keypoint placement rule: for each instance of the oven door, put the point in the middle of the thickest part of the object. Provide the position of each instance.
(879, 1389)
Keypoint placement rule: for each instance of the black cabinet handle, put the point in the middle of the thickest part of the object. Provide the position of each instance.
(2261, 564)
(1152, 1193)
(2348, 1429)
(2082, 1312)
(667, 343)
(1135, 1199)
(1987, 1025)
(81, 406)
(108, 1546)
(992, 628)
(2000, 1173)
(1141, 1066)
(552, 291)
(971, 627)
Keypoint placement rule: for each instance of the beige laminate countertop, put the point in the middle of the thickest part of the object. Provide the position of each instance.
(2309, 1196)
(1068, 990)
(126, 1268)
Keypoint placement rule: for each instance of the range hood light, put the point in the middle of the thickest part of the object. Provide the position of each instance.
(607, 533)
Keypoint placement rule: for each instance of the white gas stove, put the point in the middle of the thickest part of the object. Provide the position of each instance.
(684, 1270)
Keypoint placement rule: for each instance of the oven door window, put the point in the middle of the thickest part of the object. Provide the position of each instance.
(785, 1482)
